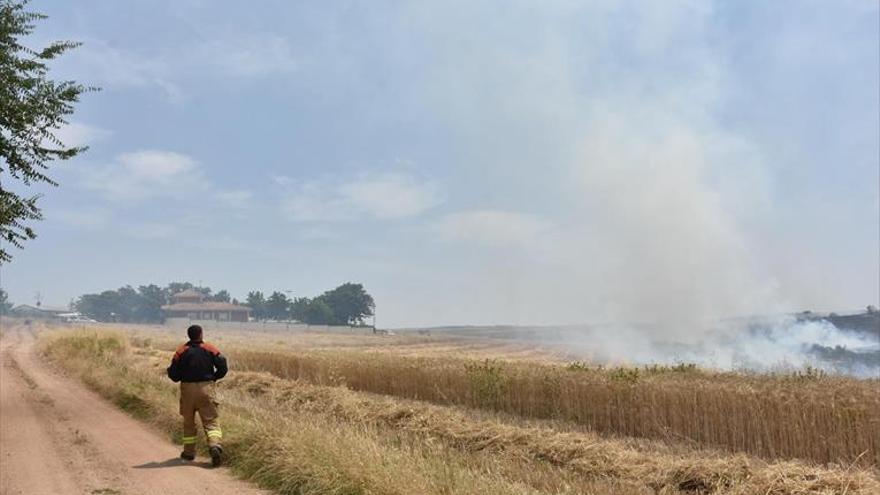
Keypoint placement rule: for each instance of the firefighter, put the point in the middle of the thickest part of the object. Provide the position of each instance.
(197, 365)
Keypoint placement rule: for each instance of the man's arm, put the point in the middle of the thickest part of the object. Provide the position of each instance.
(174, 372)
(220, 366)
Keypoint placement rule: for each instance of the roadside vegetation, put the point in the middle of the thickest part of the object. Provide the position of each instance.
(320, 435)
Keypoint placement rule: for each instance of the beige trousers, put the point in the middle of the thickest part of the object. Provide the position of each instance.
(198, 397)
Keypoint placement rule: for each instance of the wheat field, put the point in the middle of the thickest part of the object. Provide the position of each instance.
(388, 416)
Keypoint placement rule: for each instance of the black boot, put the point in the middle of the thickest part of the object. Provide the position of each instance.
(186, 456)
(216, 452)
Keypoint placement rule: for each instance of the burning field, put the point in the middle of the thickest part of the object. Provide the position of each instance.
(320, 413)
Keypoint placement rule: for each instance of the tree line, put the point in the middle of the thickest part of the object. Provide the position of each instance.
(348, 304)
(141, 305)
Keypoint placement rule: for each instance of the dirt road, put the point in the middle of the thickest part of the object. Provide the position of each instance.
(57, 437)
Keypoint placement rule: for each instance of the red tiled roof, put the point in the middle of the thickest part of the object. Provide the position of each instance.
(206, 306)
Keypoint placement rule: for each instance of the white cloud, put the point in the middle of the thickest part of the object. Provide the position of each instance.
(78, 134)
(387, 196)
(147, 173)
(493, 228)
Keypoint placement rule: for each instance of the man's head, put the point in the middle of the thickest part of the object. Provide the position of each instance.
(194, 332)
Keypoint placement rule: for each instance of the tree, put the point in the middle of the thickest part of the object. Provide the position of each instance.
(102, 307)
(5, 305)
(318, 312)
(350, 304)
(278, 306)
(128, 304)
(32, 109)
(257, 303)
(221, 296)
(298, 309)
(150, 307)
(125, 304)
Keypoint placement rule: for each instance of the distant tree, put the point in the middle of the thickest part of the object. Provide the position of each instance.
(257, 303)
(128, 304)
(206, 291)
(298, 308)
(32, 109)
(318, 312)
(102, 307)
(278, 306)
(221, 296)
(125, 304)
(150, 307)
(350, 304)
(5, 304)
(871, 309)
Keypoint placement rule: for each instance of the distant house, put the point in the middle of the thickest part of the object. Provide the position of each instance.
(191, 304)
(28, 311)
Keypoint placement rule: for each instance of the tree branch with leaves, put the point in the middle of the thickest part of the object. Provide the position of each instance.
(32, 109)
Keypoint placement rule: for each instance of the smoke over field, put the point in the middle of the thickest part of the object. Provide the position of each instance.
(765, 344)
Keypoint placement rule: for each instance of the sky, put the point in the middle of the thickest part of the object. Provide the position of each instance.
(472, 162)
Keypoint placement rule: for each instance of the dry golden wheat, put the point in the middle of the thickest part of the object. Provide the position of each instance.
(291, 435)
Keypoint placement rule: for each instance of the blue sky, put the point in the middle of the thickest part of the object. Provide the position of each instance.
(472, 162)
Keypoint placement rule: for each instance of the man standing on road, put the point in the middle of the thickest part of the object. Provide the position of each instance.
(197, 365)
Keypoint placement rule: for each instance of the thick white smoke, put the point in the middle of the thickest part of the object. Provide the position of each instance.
(672, 253)
(767, 344)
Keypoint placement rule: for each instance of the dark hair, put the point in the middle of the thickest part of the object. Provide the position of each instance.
(194, 332)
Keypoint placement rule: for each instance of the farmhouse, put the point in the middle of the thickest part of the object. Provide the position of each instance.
(191, 304)
(28, 311)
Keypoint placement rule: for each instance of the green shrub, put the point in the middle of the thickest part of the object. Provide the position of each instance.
(488, 382)
(626, 375)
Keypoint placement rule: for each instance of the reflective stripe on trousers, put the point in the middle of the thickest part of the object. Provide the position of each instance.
(198, 397)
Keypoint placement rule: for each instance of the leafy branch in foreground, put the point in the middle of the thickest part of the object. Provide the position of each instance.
(32, 108)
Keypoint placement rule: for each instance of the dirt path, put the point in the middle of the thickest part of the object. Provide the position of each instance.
(57, 437)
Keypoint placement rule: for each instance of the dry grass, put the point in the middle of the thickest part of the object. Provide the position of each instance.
(653, 465)
(302, 438)
(303, 453)
(807, 416)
